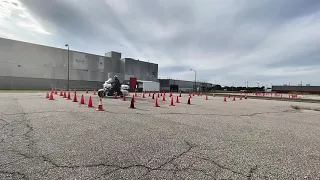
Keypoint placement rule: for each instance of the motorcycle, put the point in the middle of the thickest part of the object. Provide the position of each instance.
(109, 89)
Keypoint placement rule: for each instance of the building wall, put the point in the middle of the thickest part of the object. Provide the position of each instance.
(183, 85)
(141, 70)
(30, 66)
(308, 89)
(22, 83)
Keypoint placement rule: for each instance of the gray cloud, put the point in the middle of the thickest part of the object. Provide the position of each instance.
(226, 41)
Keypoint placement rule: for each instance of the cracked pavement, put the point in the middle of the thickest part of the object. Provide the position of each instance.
(248, 139)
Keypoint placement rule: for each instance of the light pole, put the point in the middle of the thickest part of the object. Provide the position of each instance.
(195, 79)
(68, 68)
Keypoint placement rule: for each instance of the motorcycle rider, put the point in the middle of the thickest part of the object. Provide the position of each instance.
(116, 84)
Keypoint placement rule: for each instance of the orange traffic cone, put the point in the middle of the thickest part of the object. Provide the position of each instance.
(163, 98)
(100, 108)
(94, 92)
(61, 94)
(135, 94)
(55, 91)
(82, 100)
(189, 100)
(47, 96)
(75, 98)
(170, 94)
(143, 96)
(228, 95)
(207, 97)
(132, 103)
(234, 98)
(180, 94)
(124, 98)
(115, 95)
(225, 99)
(87, 91)
(149, 94)
(158, 95)
(153, 96)
(171, 102)
(75, 90)
(51, 96)
(177, 100)
(156, 104)
(64, 94)
(90, 102)
(240, 98)
(69, 96)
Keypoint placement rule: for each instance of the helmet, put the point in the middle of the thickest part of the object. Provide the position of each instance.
(115, 77)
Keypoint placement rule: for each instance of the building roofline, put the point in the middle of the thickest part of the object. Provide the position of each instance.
(55, 47)
(138, 60)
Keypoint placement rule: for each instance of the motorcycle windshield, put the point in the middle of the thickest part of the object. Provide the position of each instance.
(109, 81)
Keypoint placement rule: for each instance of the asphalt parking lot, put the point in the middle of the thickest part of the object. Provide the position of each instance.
(209, 139)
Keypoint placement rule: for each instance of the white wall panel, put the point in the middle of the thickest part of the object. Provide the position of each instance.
(79, 61)
(101, 64)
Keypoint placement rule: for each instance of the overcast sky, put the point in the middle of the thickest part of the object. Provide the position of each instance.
(225, 41)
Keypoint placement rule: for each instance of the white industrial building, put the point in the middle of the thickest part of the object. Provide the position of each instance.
(31, 66)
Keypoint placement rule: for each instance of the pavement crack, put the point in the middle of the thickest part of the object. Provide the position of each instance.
(217, 114)
(251, 172)
(150, 169)
(34, 112)
(259, 113)
(14, 173)
(176, 157)
(221, 166)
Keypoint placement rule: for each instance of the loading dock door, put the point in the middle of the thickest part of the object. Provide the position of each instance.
(174, 88)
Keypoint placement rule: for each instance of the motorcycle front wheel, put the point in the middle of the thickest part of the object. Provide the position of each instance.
(101, 94)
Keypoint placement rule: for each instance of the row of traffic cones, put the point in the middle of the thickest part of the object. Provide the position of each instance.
(267, 94)
(163, 93)
(156, 102)
(234, 98)
(64, 94)
(100, 108)
(82, 101)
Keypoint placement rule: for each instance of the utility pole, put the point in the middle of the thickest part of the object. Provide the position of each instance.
(68, 87)
(195, 78)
